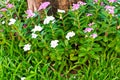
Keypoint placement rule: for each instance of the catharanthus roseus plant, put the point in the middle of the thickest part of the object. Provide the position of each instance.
(68, 44)
(44, 5)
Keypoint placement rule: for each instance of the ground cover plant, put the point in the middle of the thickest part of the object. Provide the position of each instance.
(82, 43)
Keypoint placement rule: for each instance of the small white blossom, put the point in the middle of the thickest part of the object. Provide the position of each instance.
(12, 21)
(7, 1)
(54, 43)
(3, 22)
(48, 19)
(23, 78)
(36, 28)
(118, 2)
(34, 35)
(26, 47)
(61, 11)
(86, 36)
(82, 3)
(70, 34)
(74, 77)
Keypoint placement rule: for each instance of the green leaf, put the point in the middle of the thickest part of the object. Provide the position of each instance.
(97, 49)
(59, 58)
(45, 52)
(59, 33)
(72, 57)
(117, 48)
(66, 42)
(82, 60)
(95, 56)
(45, 67)
(112, 44)
(52, 56)
(105, 39)
(81, 54)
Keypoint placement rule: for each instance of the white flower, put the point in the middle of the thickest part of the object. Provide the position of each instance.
(3, 22)
(34, 35)
(48, 19)
(12, 21)
(61, 11)
(70, 34)
(74, 77)
(54, 43)
(26, 47)
(23, 78)
(36, 28)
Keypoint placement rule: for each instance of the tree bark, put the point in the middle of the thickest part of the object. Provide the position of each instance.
(56, 4)
(63, 4)
(33, 4)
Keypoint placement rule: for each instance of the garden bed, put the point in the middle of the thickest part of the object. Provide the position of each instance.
(82, 43)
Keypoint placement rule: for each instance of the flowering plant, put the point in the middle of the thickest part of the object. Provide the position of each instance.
(86, 32)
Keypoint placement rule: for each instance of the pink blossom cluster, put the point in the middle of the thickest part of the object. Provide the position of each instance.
(112, 1)
(44, 5)
(76, 6)
(3, 9)
(110, 9)
(95, 1)
(88, 14)
(90, 24)
(9, 5)
(101, 3)
(88, 29)
(1, 15)
(94, 35)
(30, 13)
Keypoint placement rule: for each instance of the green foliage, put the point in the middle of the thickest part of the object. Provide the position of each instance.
(81, 57)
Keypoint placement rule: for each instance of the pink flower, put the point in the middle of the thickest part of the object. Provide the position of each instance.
(101, 3)
(94, 35)
(90, 24)
(3, 9)
(110, 9)
(88, 30)
(112, 1)
(44, 5)
(95, 1)
(75, 6)
(81, 3)
(30, 13)
(10, 6)
(1, 15)
(88, 14)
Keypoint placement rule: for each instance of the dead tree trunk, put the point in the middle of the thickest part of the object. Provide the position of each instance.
(56, 4)
(33, 4)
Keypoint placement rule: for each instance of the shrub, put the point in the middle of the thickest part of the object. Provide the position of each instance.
(88, 31)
